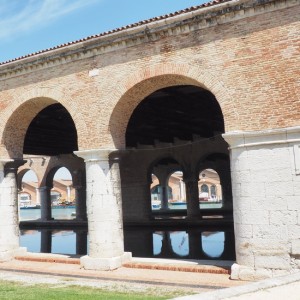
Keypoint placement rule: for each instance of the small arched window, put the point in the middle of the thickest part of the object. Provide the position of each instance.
(213, 191)
(204, 188)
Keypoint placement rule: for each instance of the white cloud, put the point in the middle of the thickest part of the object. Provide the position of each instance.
(19, 17)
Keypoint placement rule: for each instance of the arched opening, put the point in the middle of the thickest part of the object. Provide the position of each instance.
(178, 112)
(177, 194)
(156, 192)
(165, 186)
(210, 188)
(42, 135)
(215, 183)
(63, 204)
(51, 132)
(174, 133)
(28, 200)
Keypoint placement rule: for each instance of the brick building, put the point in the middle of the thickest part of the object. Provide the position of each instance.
(62, 191)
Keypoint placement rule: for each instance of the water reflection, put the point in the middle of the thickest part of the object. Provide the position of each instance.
(142, 242)
(181, 244)
(58, 213)
(213, 243)
(55, 241)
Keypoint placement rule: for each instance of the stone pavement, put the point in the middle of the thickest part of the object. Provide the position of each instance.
(197, 279)
(185, 277)
(277, 288)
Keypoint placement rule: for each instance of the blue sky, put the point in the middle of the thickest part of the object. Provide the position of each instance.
(62, 173)
(28, 26)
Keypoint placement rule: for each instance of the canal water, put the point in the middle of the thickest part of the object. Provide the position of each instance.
(180, 243)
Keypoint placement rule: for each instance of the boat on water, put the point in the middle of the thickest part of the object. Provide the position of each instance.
(62, 206)
(30, 206)
(178, 203)
(155, 204)
(53, 206)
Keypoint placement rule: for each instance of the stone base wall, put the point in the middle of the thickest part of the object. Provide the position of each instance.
(266, 201)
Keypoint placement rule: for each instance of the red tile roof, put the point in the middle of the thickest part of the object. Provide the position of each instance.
(193, 8)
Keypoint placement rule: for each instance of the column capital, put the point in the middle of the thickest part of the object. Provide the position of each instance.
(11, 166)
(4, 161)
(94, 155)
(243, 139)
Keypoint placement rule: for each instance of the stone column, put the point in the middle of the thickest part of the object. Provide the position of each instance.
(38, 199)
(265, 169)
(45, 199)
(182, 191)
(9, 217)
(68, 193)
(163, 175)
(80, 200)
(192, 197)
(225, 182)
(80, 195)
(104, 209)
(165, 195)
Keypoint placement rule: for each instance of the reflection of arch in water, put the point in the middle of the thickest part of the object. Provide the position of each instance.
(180, 243)
(171, 244)
(47, 240)
(157, 243)
(213, 243)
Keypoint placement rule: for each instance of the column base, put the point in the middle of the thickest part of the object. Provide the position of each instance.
(104, 264)
(10, 254)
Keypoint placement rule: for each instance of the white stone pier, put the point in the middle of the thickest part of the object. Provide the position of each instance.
(104, 211)
(266, 202)
(9, 217)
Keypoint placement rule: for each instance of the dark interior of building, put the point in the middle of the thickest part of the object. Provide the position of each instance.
(51, 132)
(183, 112)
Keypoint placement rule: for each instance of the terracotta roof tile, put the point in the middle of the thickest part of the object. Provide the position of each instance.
(143, 22)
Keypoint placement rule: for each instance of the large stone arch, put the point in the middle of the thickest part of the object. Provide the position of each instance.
(16, 121)
(128, 94)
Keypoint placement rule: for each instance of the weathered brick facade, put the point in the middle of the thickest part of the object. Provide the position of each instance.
(247, 57)
(247, 53)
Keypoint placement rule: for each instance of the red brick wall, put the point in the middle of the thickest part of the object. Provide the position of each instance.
(250, 64)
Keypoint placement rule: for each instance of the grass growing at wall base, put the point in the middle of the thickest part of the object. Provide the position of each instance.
(19, 291)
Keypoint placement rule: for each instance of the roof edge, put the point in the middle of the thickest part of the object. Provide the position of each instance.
(206, 15)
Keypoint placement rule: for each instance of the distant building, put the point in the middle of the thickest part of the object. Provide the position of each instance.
(208, 185)
(62, 191)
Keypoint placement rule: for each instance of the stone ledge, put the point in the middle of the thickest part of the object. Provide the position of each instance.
(73, 261)
(181, 268)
